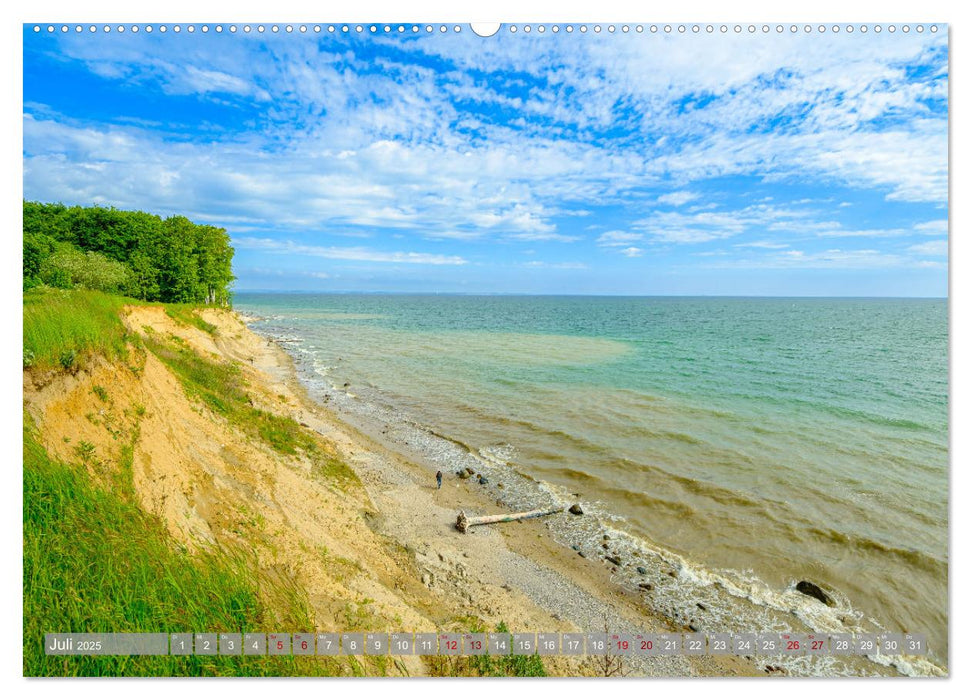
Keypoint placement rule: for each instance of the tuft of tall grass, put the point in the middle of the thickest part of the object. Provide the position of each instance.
(511, 665)
(222, 387)
(187, 315)
(64, 328)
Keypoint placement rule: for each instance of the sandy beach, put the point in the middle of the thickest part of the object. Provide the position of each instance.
(510, 571)
(375, 553)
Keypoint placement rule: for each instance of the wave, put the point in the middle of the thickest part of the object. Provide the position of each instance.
(735, 600)
(912, 557)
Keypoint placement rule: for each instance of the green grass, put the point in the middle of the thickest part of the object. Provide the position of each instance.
(94, 562)
(518, 665)
(512, 665)
(64, 328)
(187, 315)
(221, 387)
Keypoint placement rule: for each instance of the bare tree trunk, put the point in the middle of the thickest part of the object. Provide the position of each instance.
(464, 522)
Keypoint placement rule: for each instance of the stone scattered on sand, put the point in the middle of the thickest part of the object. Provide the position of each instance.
(613, 560)
(500, 485)
(672, 574)
(693, 628)
(646, 586)
(483, 480)
(576, 509)
(582, 555)
(641, 570)
(700, 606)
(814, 591)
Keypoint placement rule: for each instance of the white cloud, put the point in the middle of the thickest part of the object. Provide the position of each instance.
(335, 253)
(562, 238)
(829, 259)
(933, 228)
(707, 225)
(618, 238)
(556, 265)
(676, 199)
(839, 232)
(936, 248)
(343, 148)
(769, 245)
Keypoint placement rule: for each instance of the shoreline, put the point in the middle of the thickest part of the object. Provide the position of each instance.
(380, 552)
(548, 541)
(571, 591)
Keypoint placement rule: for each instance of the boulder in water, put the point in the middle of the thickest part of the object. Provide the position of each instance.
(814, 591)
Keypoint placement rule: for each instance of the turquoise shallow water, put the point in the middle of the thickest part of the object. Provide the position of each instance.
(786, 438)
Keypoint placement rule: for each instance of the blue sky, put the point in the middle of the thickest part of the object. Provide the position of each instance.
(645, 163)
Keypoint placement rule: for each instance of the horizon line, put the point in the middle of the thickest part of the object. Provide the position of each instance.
(378, 292)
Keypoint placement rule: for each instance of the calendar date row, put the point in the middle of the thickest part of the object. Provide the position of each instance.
(472, 644)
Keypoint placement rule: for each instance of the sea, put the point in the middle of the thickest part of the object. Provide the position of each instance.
(729, 447)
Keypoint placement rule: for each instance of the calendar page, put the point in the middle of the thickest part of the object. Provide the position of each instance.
(423, 349)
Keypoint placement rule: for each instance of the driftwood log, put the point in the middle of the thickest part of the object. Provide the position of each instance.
(464, 522)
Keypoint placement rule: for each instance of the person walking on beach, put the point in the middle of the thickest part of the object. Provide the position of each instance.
(438, 478)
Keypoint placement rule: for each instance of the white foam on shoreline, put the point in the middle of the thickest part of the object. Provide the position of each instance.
(734, 601)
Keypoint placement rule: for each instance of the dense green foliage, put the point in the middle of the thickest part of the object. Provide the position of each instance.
(95, 562)
(63, 328)
(133, 253)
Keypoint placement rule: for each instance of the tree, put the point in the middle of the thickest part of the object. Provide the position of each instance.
(70, 267)
(172, 260)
